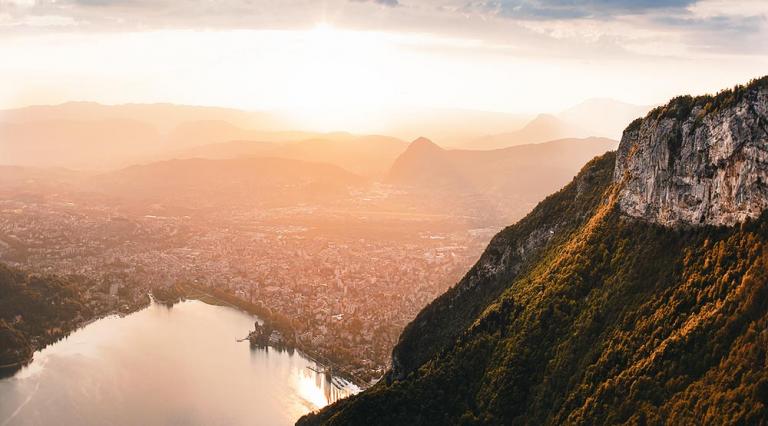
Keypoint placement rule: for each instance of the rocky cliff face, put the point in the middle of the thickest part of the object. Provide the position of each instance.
(698, 160)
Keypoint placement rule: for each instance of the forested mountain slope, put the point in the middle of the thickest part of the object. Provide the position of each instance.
(598, 309)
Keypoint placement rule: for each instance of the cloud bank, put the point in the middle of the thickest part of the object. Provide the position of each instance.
(714, 26)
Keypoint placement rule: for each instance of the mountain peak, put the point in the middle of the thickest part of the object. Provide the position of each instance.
(423, 160)
(544, 117)
(698, 161)
(423, 143)
(544, 121)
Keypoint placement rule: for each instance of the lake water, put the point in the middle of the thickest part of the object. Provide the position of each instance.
(174, 366)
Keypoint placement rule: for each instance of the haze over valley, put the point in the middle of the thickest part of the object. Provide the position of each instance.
(289, 222)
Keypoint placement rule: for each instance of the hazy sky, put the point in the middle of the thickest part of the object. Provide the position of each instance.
(340, 56)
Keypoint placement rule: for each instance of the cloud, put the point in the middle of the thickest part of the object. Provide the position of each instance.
(663, 27)
(388, 3)
(573, 9)
(653, 27)
(715, 23)
(724, 33)
(100, 2)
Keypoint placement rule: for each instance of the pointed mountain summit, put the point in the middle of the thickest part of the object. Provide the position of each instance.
(423, 143)
(422, 146)
(423, 162)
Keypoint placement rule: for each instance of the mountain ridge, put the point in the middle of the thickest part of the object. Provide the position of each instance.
(583, 314)
(369, 155)
(543, 128)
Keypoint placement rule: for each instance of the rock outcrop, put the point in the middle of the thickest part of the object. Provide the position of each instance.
(698, 161)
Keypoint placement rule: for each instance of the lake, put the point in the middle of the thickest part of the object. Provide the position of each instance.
(176, 366)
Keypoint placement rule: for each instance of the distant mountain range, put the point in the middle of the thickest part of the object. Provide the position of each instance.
(364, 155)
(91, 136)
(543, 128)
(491, 186)
(507, 181)
(162, 117)
(594, 117)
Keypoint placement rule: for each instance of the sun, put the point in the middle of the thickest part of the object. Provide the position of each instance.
(339, 78)
(323, 29)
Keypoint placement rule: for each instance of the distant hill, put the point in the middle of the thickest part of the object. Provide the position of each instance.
(592, 118)
(604, 117)
(508, 181)
(163, 117)
(453, 127)
(544, 127)
(202, 183)
(76, 144)
(192, 134)
(363, 155)
(90, 136)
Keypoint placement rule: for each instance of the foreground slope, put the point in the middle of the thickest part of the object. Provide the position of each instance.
(589, 311)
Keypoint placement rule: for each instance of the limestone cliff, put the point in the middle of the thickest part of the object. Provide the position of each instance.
(698, 160)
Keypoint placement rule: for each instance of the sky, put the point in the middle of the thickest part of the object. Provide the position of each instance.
(352, 56)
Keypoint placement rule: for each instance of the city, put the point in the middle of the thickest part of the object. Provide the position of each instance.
(340, 289)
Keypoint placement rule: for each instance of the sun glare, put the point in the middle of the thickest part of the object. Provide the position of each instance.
(310, 389)
(339, 75)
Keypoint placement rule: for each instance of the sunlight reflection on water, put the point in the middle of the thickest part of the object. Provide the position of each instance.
(180, 365)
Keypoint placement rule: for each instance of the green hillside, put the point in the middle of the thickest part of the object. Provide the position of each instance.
(35, 311)
(592, 318)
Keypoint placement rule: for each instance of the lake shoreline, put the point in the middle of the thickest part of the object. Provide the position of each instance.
(38, 343)
(117, 366)
(12, 368)
(336, 369)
